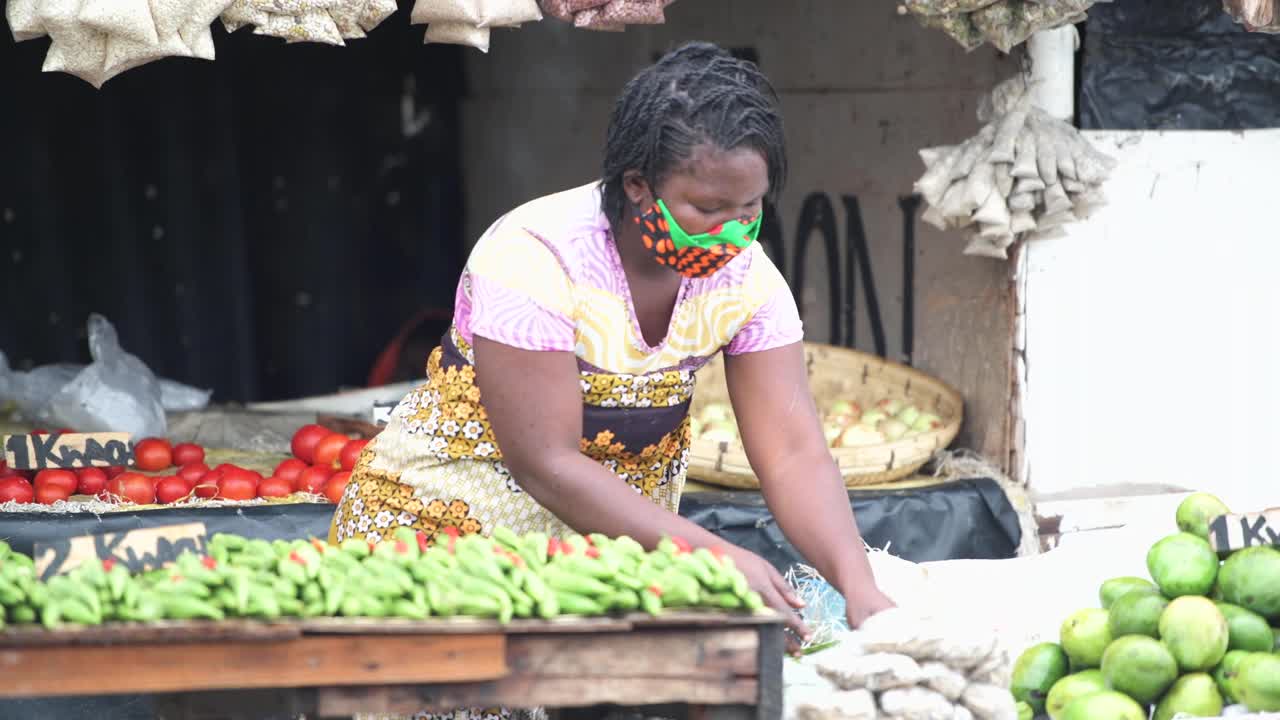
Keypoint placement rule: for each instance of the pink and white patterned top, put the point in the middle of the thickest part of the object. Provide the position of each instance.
(547, 276)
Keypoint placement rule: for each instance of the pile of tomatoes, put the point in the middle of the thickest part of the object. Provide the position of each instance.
(321, 465)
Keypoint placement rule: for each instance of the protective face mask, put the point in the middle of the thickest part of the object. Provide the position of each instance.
(694, 256)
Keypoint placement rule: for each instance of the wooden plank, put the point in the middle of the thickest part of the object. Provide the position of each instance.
(772, 646)
(460, 625)
(704, 618)
(540, 692)
(649, 653)
(711, 666)
(300, 662)
(139, 550)
(67, 450)
(169, 632)
(1237, 531)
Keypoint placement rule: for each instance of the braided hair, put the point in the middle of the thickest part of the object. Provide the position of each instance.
(696, 94)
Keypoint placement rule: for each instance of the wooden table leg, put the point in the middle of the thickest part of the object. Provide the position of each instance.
(772, 655)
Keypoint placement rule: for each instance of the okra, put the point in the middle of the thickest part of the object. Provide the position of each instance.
(575, 604)
(579, 584)
(723, 600)
(76, 611)
(22, 614)
(651, 601)
(355, 547)
(752, 600)
(185, 607)
(507, 538)
(479, 605)
(625, 600)
(334, 595)
(352, 606)
(408, 609)
(10, 594)
(311, 592)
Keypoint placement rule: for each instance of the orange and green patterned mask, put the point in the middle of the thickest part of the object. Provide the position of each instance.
(694, 256)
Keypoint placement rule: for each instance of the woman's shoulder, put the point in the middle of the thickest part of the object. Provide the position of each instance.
(567, 223)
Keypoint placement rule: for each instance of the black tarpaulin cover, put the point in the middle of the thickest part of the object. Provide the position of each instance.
(1176, 64)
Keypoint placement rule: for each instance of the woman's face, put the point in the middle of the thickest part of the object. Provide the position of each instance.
(712, 187)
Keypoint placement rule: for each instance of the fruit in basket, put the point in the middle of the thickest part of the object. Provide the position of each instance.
(1137, 613)
(1195, 695)
(152, 454)
(893, 429)
(171, 489)
(1035, 672)
(207, 486)
(91, 481)
(193, 472)
(1073, 687)
(329, 448)
(1085, 635)
(1140, 667)
(1197, 510)
(1112, 589)
(275, 487)
(351, 453)
(1225, 674)
(16, 489)
(305, 440)
(132, 487)
(312, 479)
(237, 486)
(290, 469)
(1250, 578)
(50, 494)
(861, 436)
(721, 431)
(65, 481)
(909, 415)
(1183, 564)
(872, 418)
(1106, 705)
(336, 485)
(1257, 682)
(890, 406)
(187, 454)
(1195, 631)
(1246, 630)
(927, 422)
(715, 412)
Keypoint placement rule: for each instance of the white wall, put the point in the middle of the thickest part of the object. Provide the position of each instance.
(862, 89)
(1152, 349)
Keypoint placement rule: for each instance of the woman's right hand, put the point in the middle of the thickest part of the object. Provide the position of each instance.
(774, 590)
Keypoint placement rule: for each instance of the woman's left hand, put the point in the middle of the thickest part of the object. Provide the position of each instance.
(864, 602)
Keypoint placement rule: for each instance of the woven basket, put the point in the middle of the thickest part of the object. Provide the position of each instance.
(838, 373)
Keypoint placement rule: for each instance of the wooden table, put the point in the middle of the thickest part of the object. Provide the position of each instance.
(718, 665)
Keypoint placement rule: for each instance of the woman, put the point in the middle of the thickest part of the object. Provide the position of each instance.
(559, 399)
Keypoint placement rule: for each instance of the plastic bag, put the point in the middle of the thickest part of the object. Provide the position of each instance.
(117, 391)
(24, 19)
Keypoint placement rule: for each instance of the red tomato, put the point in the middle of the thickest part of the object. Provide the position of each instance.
(113, 471)
(192, 472)
(275, 487)
(152, 454)
(290, 469)
(350, 453)
(171, 488)
(305, 441)
(4, 468)
(50, 494)
(312, 479)
(207, 486)
(336, 485)
(187, 453)
(133, 487)
(65, 480)
(237, 487)
(329, 448)
(92, 480)
(16, 488)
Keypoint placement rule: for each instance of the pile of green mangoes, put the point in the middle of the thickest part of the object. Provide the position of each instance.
(407, 575)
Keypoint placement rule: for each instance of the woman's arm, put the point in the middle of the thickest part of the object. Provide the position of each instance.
(799, 478)
(534, 404)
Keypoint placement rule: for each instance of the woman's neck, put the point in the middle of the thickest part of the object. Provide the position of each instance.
(636, 260)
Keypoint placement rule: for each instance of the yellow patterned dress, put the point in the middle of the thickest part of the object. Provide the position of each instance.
(548, 277)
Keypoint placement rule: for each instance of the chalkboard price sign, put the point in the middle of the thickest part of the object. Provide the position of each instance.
(139, 550)
(68, 450)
